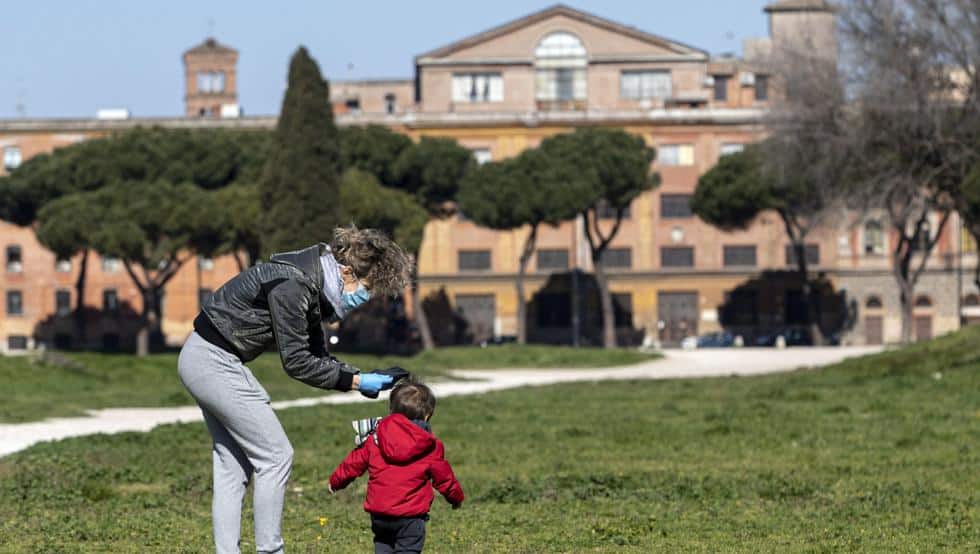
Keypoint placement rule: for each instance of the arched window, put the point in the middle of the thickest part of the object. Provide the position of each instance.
(560, 61)
(971, 300)
(923, 301)
(874, 238)
(873, 302)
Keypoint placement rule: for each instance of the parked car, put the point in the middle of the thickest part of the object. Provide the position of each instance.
(721, 339)
(792, 336)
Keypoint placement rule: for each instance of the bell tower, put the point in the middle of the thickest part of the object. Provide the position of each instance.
(210, 80)
(804, 26)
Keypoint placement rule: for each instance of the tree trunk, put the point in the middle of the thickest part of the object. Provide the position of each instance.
(908, 305)
(605, 297)
(421, 321)
(806, 291)
(906, 290)
(519, 285)
(79, 315)
(151, 332)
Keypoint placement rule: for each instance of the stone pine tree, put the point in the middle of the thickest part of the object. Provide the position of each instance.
(431, 170)
(66, 227)
(614, 167)
(368, 204)
(374, 149)
(52, 191)
(743, 185)
(299, 189)
(152, 228)
(529, 190)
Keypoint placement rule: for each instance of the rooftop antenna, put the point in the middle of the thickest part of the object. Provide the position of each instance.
(210, 23)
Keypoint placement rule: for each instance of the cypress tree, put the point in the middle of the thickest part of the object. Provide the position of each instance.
(300, 189)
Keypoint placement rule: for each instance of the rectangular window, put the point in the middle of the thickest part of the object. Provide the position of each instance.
(110, 264)
(15, 259)
(552, 259)
(621, 258)
(478, 87)
(675, 154)
(739, 256)
(482, 155)
(812, 254)
(721, 87)
(731, 148)
(675, 206)
(15, 302)
(110, 301)
(640, 85)
(761, 87)
(211, 82)
(554, 309)
(474, 260)
(677, 256)
(623, 309)
(606, 211)
(389, 103)
(353, 105)
(561, 84)
(11, 157)
(16, 342)
(62, 302)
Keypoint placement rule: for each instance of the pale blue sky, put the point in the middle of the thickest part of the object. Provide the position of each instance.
(67, 58)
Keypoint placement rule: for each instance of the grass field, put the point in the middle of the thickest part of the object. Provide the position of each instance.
(876, 454)
(34, 391)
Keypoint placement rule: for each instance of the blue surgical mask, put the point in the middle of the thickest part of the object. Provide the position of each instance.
(354, 299)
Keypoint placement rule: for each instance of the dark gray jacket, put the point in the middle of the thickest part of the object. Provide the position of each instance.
(278, 302)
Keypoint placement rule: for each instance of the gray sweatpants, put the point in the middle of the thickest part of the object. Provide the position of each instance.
(247, 439)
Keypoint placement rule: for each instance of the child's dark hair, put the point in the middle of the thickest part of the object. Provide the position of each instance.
(413, 399)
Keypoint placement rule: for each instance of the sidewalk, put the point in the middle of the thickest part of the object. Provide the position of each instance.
(675, 365)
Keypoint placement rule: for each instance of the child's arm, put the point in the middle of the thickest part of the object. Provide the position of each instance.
(353, 466)
(443, 478)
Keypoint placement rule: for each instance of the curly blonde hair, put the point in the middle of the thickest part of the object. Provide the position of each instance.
(373, 257)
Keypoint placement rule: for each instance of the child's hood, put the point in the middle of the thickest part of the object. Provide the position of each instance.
(401, 441)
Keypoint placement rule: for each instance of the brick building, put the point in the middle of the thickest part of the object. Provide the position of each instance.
(504, 90)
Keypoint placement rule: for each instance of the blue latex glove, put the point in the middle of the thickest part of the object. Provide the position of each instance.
(373, 383)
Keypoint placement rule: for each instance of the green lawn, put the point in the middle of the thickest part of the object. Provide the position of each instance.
(876, 454)
(34, 391)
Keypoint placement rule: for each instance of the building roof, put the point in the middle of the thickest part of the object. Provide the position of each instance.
(800, 6)
(560, 9)
(211, 46)
(410, 120)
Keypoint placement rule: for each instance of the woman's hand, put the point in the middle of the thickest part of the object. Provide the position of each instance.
(370, 384)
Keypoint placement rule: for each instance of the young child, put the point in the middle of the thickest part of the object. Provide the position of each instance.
(401, 458)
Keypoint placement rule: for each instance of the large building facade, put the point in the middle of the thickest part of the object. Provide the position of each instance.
(498, 93)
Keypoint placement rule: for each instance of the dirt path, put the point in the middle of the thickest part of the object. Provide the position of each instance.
(675, 365)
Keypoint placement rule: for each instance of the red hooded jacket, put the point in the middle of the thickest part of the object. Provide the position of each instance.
(401, 459)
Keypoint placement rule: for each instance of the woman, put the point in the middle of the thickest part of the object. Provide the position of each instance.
(283, 302)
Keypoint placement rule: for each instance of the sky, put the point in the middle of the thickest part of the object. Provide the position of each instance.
(69, 58)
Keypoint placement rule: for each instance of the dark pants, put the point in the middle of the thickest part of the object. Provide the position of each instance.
(395, 535)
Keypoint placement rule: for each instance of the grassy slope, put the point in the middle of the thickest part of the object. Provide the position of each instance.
(35, 391)
(876, 454)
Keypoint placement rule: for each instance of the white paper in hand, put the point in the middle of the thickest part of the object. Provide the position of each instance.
(363, 429)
